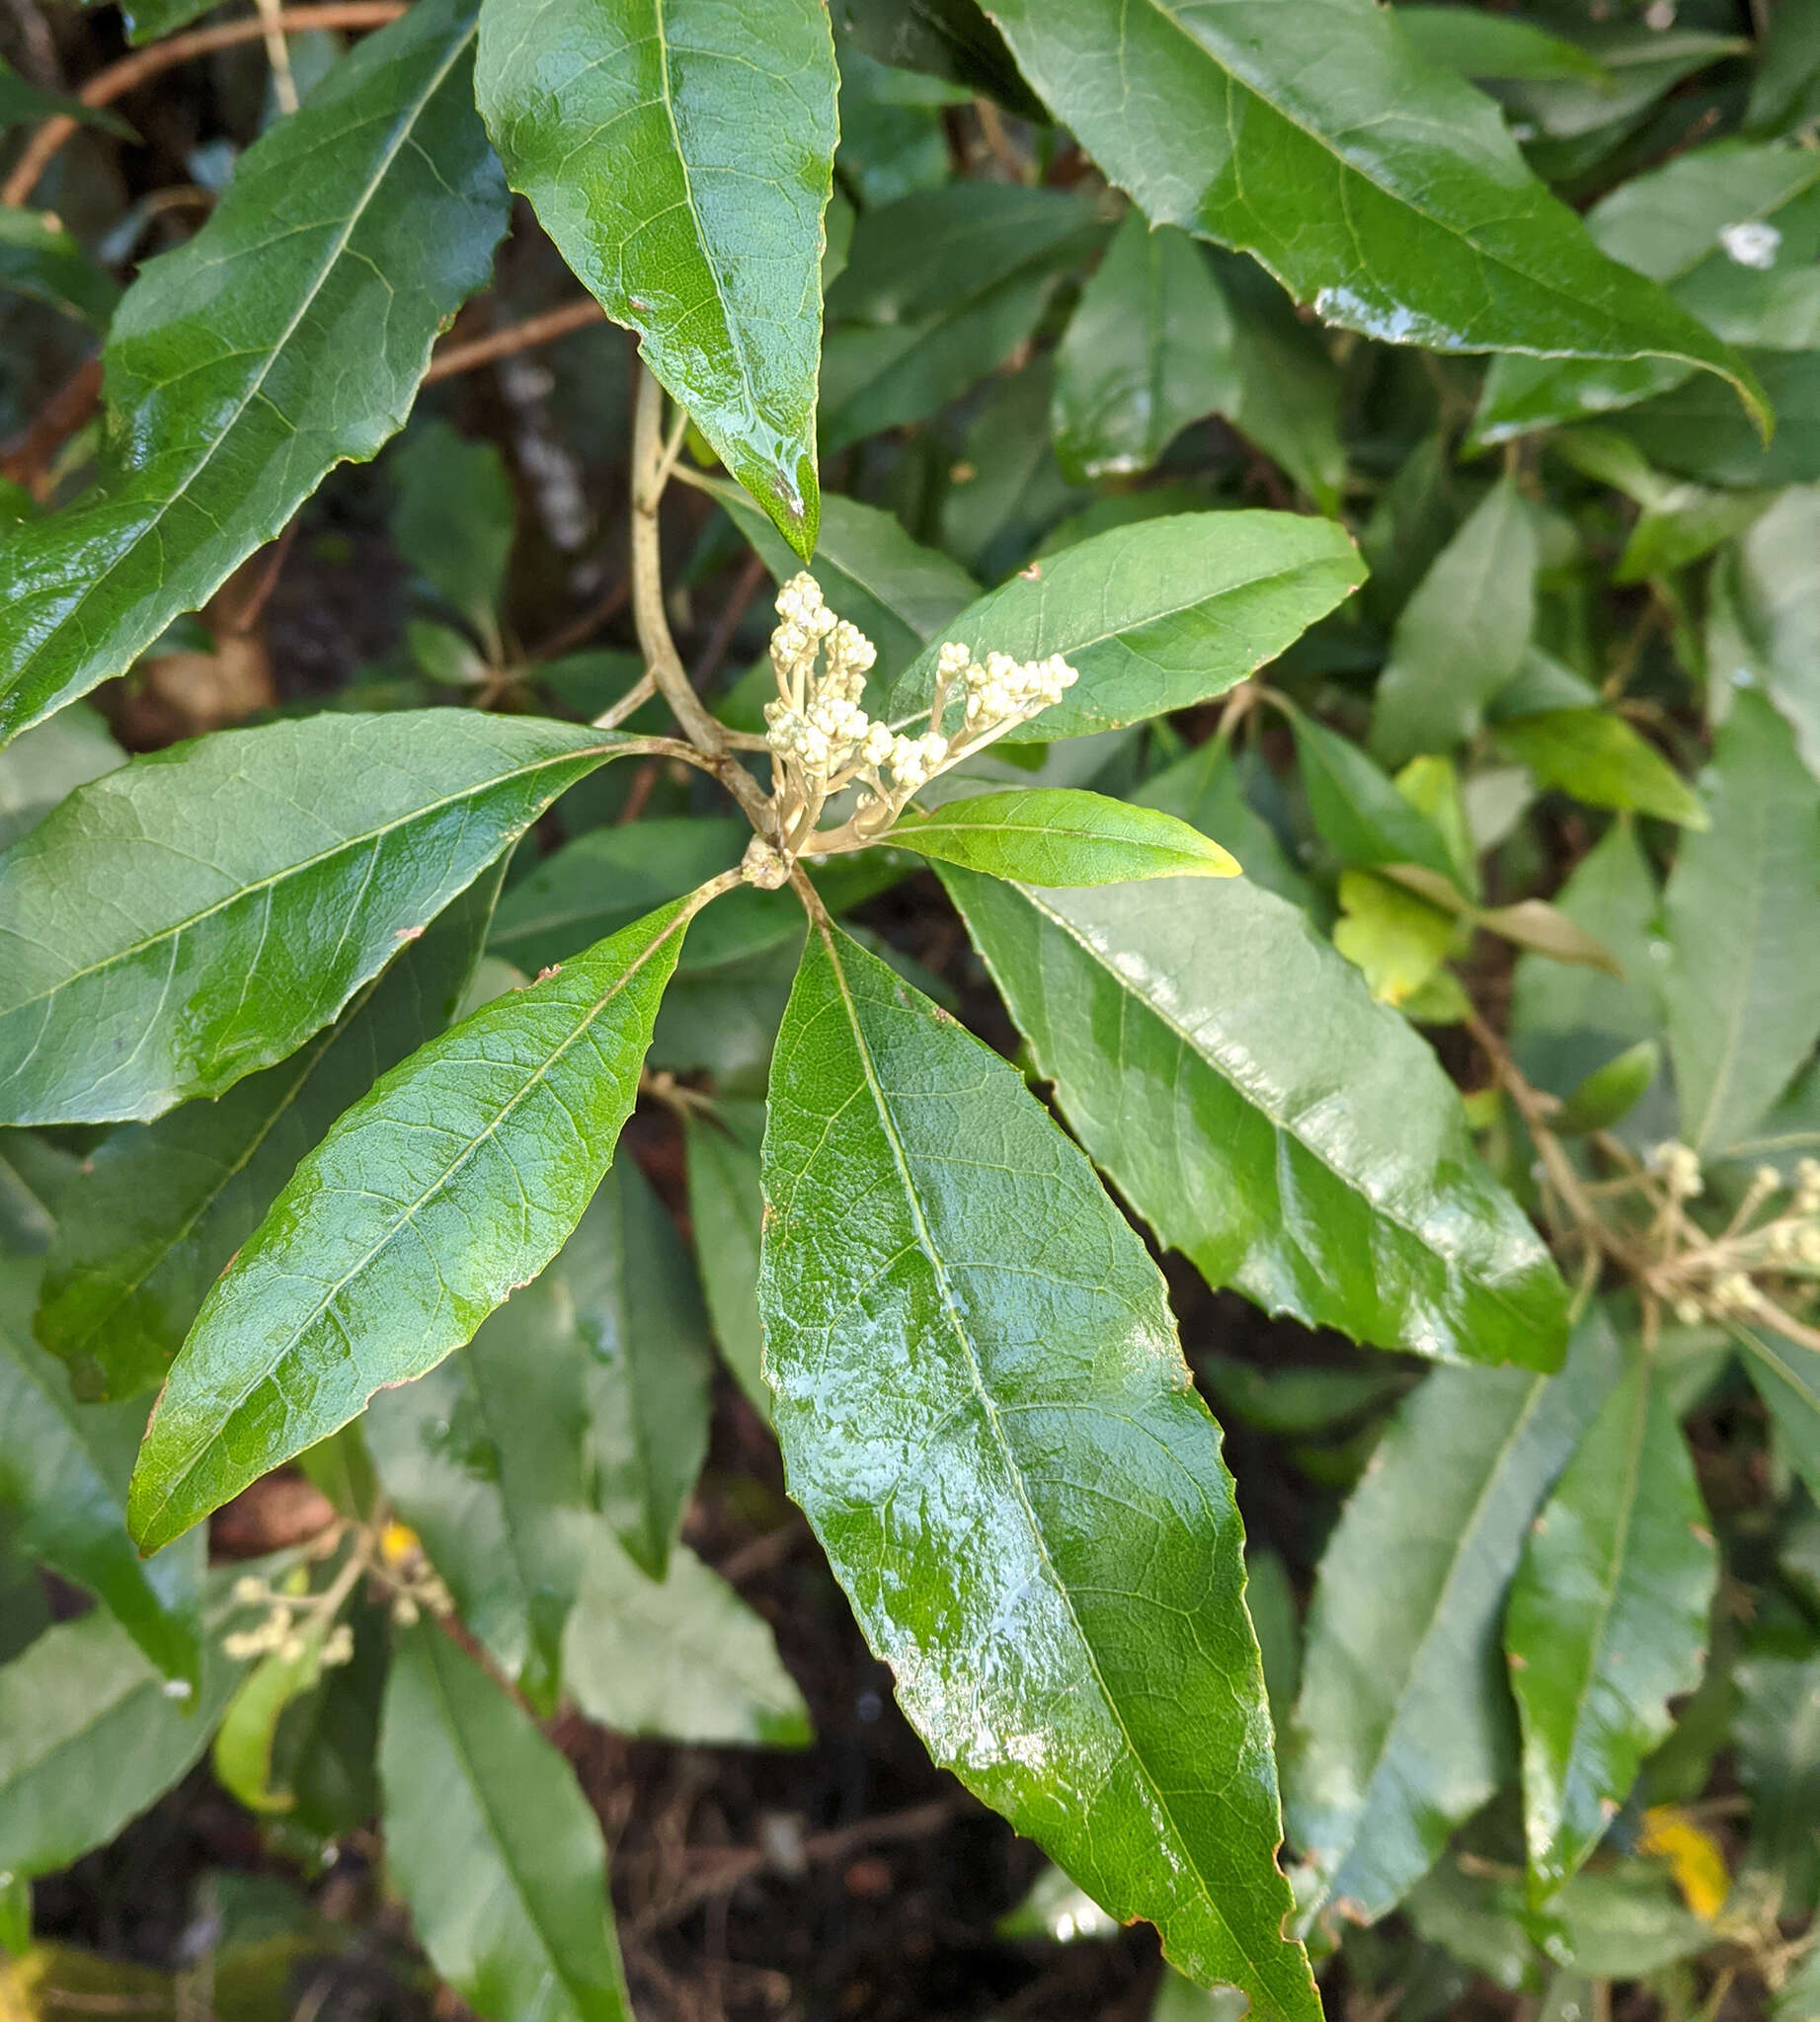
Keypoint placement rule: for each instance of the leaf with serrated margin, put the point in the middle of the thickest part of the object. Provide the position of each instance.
(985, 1415)
(64, 1467)
(1607, 1621)
(200, 912)
(456, 1180)
(290, 333)
(1404, 1725)
(157, 1213)
(1290, 1136)
(1381, 189)
(680, 154)
(1063, 835)
(1154, 617)
(493, 1845)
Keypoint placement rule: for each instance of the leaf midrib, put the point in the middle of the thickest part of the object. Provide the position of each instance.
(408, 117)
(423, 812)
(927, 1243)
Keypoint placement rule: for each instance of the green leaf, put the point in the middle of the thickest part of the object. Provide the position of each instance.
(1607, 1621)
(1404, 1726)
(22, 104)
(237, 932)
(1682, 522)
(1463, 634)
(1785, 92)
(1180, 2000)
(493, 1845)
(1743, 909)
(898, 593)
(64, 1467)
(986, 1417)
(1777, 1728)
(938, 290)
(289, 333)
(1298, 1401)
(647, 1362)
(1233, 1077)
(681, 1660)
(1596, 756)
(948, 38)
(1478, 44)
(681, 156)
(725, 1205)
(1380, 188)
(1357, 809)
(1610, 1093)
(1061, 835)
(241, 1755)
(1205, 788)
(1154, 617)
(39, 259)
(453, 520)
(1698, 435)
(458, 1177)
(39, 768)
(1396, 940)
(34, 1176)
(1288, 388)
(90, 1734)
(1673, 225)
(1775, 600)
(15, 1915)
(1785, 1374)
(158, 1211)
(1148, 351)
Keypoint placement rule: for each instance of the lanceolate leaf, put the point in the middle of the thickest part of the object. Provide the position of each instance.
(1607, 1623)
(725, 1206)
(1598, 757)
(1155, 617)
(199, 913)
(1290, 1136)
(1404, 1725)
(38, 258)
(90, 1734)
(1743, 906)
(1061, 835)
(289, 333)
(457, 1178)
(1358, 810)
(1148, 351)
(1380, 187)
(646, 1362)
(64, 1466)
(987, 1418)
(680, 154)
(1786, 1375)
(493, 1845)
(157, 1213)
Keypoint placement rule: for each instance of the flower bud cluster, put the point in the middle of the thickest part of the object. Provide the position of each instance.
(285, 1632)
(823, 741)
(1679, 1165)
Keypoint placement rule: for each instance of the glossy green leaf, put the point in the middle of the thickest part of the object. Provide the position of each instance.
(680, 154)
(1482, 44)
(898, 593)
(1356, 810)
(1061, 835)
(1599, 758)
(647, 1362)
(39, 259)
(1155, 617)
(493, 1845)
(158, 1211)
(1776, 1730)
(64, 1466)
(241, 1753)
(454, 517)
(1607, 1621)
(1404, 1725)
(1609, 1093)
(1774, 593)
(985, 1414)
(1265, 1117)
(90, 1734)
(1743, 913)
(1148, 351)
(1692, 433)
(1786, 1375)
(725, 1206)
(41, 768)
(458, 1178)
(1384, 190)
(289, 333)
(938, 290)
(1676, 224)
(253, 881)
(682, 1658)
(1205, 788)
(1463, 634)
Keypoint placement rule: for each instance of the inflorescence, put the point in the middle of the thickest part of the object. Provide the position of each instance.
(823, 741)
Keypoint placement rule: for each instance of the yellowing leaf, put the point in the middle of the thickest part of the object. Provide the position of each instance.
(1692, 1857)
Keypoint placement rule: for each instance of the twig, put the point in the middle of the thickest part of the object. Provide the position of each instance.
(451, 358)
(27, 456)
(630, 704)
(277, 54)
(133, 71)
